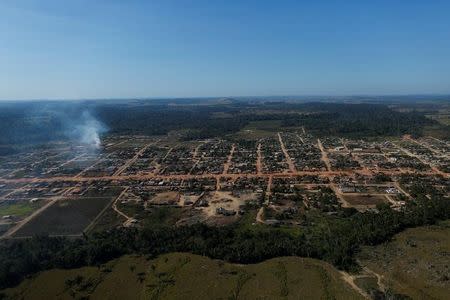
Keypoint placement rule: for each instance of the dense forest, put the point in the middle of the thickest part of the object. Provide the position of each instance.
(358, 120)
(334, 239)
(40, 122)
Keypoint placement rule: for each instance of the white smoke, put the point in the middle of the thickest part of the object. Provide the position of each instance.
(71, 121)
(87, 130)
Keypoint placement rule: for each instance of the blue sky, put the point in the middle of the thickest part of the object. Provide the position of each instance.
(52, 49)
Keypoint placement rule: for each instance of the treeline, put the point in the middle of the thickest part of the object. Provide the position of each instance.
(335, 240)
(197, 121)
(27, 123)
(41, 122)
(358, 120)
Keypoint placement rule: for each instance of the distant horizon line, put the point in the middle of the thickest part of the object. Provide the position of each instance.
(226, 97)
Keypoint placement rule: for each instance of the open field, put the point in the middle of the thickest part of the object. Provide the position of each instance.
(19, 208)
(170, 276)
(259, 129)
(437, 131)
(440, 115)
(168, 198)
(415, 262)
(65, 217)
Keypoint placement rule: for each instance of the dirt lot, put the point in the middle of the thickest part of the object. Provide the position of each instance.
(166, 198)
(221, 199)
(364, 200)
(231, 201)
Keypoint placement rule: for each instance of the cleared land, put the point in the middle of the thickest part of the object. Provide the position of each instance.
(364, 200)
(65, 217)
(259, 129)
(170, 277)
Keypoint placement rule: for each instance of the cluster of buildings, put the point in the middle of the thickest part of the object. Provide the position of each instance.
(286, 174)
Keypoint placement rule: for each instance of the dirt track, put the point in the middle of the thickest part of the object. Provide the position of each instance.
(191, 176)
(292, 168)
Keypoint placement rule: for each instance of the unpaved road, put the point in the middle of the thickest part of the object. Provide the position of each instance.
(286, 155)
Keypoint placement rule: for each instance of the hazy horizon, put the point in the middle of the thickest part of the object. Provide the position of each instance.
(238, 97)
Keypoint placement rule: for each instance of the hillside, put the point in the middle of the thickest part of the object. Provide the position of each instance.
(174, 276)
(415, 263)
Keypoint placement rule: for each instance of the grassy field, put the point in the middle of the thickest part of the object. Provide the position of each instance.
(256, 130)
(415, 263)
(18, 208)
(259, 129)
(442, 116)
(443, 119)
(439, 132)
(187, 276)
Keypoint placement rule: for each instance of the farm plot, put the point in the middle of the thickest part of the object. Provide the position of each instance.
(65, 217)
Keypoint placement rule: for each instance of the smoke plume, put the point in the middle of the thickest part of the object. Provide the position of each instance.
(87, 129)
